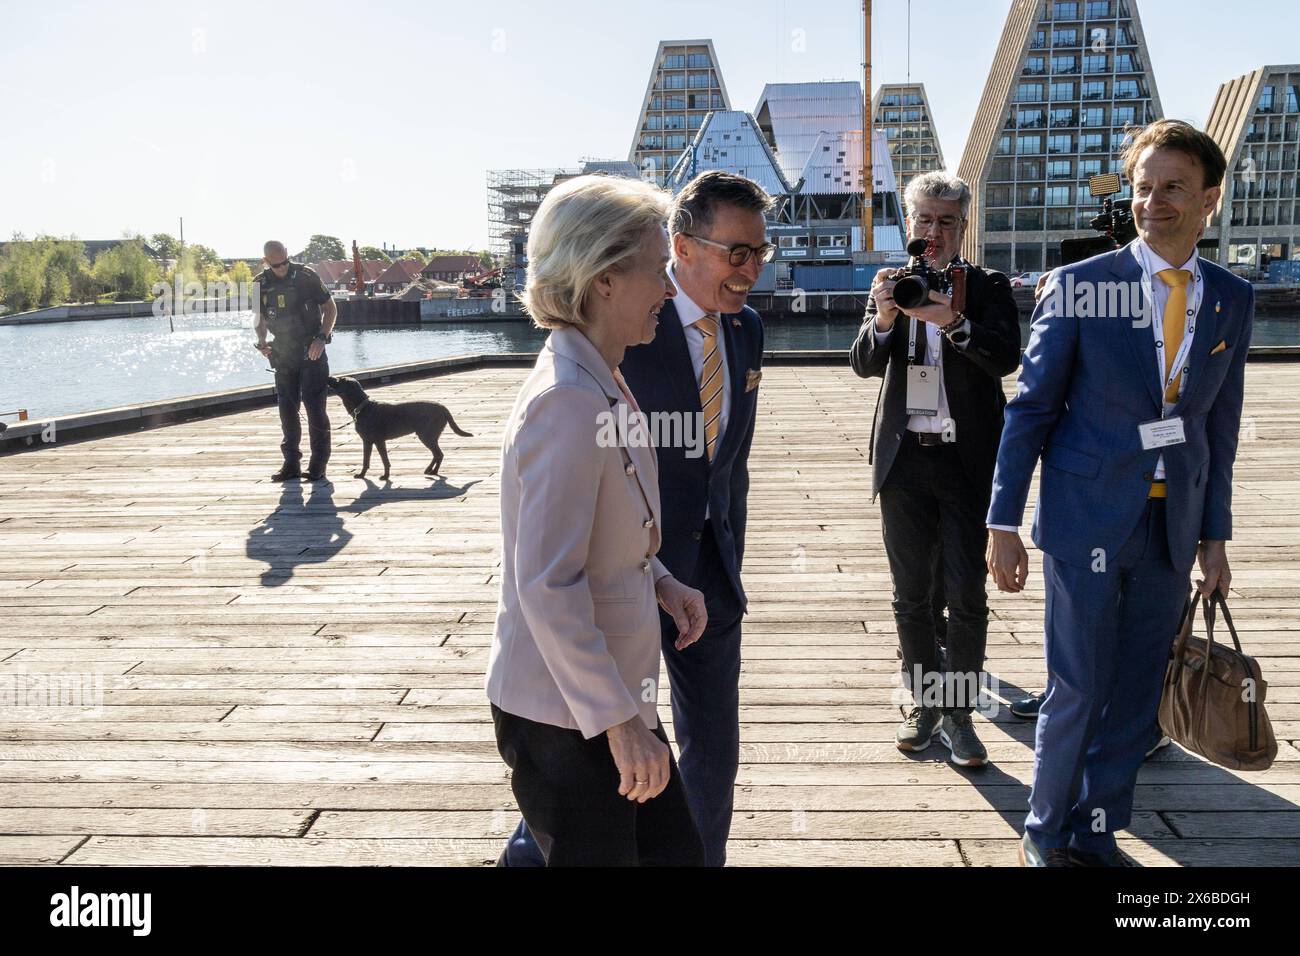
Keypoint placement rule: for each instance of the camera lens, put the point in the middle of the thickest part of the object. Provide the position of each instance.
(911, 291)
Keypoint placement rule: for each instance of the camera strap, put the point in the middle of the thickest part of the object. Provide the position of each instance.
(912, 323)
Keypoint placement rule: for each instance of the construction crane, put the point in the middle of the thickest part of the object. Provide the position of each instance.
(358, 275)
(868, 171)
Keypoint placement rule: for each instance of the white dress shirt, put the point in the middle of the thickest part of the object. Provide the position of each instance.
(690, 313)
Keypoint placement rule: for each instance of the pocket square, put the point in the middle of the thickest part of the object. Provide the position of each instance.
(1219, 348)
(752, 378)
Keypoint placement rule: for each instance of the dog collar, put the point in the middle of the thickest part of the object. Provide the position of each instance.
(359, 407)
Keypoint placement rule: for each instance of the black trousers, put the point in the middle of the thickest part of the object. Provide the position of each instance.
(296, 386)
(567, 789)
(929, 505)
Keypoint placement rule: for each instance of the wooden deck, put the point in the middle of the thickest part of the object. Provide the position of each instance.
(293, 675)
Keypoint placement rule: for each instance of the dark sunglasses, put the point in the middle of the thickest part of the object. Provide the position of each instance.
(278, 265)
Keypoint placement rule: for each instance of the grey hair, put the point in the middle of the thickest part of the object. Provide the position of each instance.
(938, 185)
(274, 245)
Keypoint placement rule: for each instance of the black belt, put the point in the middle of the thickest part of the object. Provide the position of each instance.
(929, 439)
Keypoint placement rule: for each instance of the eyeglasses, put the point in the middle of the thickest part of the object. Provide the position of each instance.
(946, 223)
(739, 254)
(278, 265)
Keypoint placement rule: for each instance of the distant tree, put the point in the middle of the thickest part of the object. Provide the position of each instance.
(417, 255)
(322, 247)
(44, 271)
(197, 263)
(166, 245)
(485, 260)
(369, 253)
(126, 271)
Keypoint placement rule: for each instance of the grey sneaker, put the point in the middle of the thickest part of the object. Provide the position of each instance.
(958, 734)
(917, 730)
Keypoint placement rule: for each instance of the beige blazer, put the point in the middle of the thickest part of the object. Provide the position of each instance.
(576, 642)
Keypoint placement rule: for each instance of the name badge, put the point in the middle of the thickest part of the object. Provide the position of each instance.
(1162, 432)
(922, 390)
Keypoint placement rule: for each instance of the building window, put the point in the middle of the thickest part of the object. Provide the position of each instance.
(654, 122)
(1095, 90)
(1089, 167)
(1029, 119)
(1065, 10)
(1029, 220)
(890, 100)
(1063, 143)
(1035, 65)
(1063, 91)
(1292, 99)
(1066, 63)
(1063, 116)
(1004, 145)
(1127, 90)
(1039, 41)
(675, 141)
(699, 81)
(1098, 9)
(997, 220)
(1266, 100)
(1059, 169)
(695, 121)
(1029, 144)
(1092, 143)
(1029, 92)
(675, 121)
(698, 61)
(674, 102)
(675, 61)
(1000, 170)
(891, 116)
(1065, 36)
(891, 132)
(675, 81)
(1093, 116)
(1095, 63)
(1126, 63)
(1060, 219)
(1029, 195)
(1058, 196)
(911, 116)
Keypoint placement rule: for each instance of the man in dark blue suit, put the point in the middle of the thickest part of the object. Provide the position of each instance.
(701, 373)
(1130, 391)
(704, 365)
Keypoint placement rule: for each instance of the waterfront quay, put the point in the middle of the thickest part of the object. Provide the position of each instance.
(293, 674)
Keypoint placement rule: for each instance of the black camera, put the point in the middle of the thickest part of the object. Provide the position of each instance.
(915, 280)
(1114, 223)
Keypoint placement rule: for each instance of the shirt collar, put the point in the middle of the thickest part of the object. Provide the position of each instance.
(1158, 264)
(687, 309)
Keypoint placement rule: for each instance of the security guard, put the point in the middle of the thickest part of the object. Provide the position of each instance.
(294, 305)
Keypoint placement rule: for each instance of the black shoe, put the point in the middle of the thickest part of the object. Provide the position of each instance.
(1032, 855)
(1115, 857)
(1027, 709)
(918, 729)
(317, 475)
(287, 473)
(957, 732)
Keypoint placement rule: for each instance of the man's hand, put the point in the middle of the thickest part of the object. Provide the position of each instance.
(1042, 281)
(263, 348)
(641, 758)
(1008, 561)
(1212, 556)
(686, 605)
(882, 290)
(315, 350)
(938, 311)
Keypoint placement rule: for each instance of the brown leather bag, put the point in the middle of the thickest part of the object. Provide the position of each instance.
(1216, 709)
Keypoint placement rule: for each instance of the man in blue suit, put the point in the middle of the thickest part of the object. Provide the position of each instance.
(702, 370)
(1130, 390)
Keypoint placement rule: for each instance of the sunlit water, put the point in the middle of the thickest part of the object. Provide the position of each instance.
(67, 367)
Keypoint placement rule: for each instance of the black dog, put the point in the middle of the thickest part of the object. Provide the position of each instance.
(379, 421)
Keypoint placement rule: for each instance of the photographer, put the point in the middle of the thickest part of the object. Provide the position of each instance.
(295, 306)
(934, 440)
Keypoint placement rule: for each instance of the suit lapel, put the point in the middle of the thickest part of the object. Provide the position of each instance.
(1141, 339)
(1206, 334)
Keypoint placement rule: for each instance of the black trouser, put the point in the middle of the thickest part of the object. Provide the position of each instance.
(297, 385)
(928, 502)
(567, 789)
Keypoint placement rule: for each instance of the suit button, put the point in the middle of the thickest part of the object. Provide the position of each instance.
(1148, 476)
(645, 566)
(648, 523)
(697, 535)
(630, 469)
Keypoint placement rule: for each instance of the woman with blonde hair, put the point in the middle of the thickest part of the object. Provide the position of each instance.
(573, 675)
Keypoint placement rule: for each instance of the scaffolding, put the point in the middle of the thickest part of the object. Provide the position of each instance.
(513, 196)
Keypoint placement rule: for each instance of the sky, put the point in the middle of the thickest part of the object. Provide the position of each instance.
(377, 121)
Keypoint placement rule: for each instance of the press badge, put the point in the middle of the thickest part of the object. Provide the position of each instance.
(923, 390)
(1162, 432)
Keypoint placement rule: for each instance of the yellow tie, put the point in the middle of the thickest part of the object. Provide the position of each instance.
(1175, 322)
(710, 382)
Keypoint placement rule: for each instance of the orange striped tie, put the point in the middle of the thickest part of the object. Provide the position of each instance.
(1175, 322)
(710, 382)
